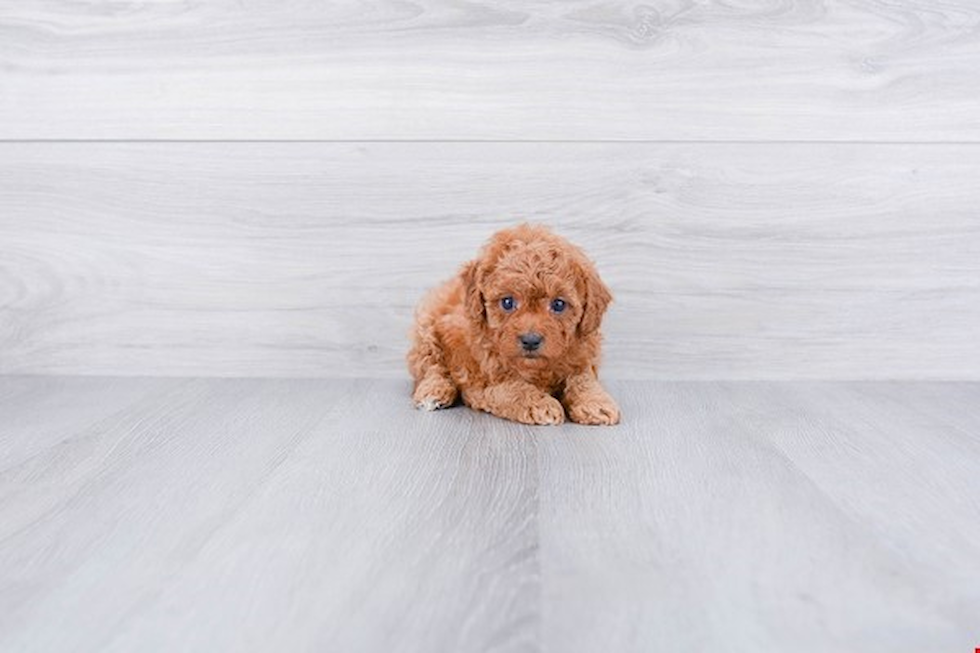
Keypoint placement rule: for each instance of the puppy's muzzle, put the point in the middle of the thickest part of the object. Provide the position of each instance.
(531, 341)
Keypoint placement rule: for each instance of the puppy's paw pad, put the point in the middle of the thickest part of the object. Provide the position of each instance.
(599, 413)
(547, 412)
(434, 393)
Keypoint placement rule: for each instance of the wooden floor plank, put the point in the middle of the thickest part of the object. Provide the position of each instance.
(904, 70)
(258, 498)
(892, 466)
(41, 412)
(236, 514)
(762, 517)
(788, 261)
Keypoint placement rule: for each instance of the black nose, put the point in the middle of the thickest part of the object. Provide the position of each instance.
(531, 341)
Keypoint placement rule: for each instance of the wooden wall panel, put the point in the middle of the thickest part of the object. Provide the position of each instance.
(305, 259)
(492, 69)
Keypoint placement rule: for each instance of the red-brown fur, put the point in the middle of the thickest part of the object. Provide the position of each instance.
(465, 345)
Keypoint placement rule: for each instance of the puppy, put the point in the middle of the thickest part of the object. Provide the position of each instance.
(516, 334)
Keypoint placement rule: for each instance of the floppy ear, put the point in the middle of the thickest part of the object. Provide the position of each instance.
(475, 309)
(597, 298)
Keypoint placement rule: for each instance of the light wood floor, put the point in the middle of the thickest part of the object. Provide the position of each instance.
(299, 515)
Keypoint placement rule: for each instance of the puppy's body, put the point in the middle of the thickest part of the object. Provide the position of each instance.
(516, 334)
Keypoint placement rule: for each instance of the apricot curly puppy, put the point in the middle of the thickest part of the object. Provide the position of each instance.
(516, 334)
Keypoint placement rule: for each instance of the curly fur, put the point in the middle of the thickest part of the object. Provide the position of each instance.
(466, 346)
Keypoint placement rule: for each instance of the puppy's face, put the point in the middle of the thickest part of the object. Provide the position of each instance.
(536, 296)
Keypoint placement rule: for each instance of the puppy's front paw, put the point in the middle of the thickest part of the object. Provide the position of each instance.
(544, 411)
(434, 392)
(599, 411)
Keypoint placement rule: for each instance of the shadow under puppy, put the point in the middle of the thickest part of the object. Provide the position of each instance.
(516, 333)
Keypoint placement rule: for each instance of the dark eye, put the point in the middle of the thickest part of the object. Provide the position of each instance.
(558, 305)
(507, 303)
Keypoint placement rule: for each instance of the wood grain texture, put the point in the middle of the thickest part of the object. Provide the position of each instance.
(493, 69)
(267, 515)
(209, 514)
(305, 259)
(765, 517)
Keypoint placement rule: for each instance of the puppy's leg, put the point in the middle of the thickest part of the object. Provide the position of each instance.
(587, 402)
(434, 391)
(518, 401)
(433, 385)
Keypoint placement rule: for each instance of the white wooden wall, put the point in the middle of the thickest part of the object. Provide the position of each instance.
(772, 189)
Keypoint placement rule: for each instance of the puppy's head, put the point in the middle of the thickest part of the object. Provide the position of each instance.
(534, 294)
